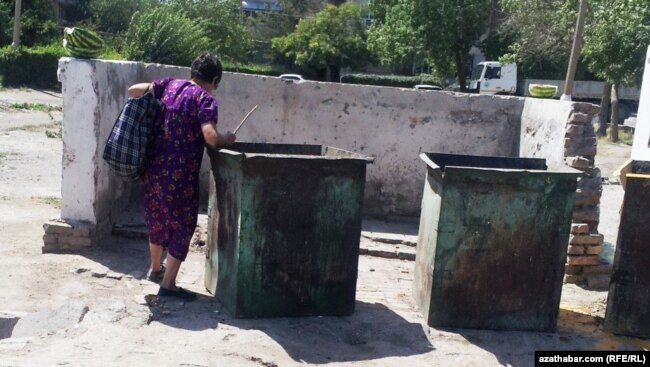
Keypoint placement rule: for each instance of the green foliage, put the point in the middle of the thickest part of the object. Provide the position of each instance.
(35, 107)
(36, 66)
(333, 38)
(6, 16)
(393, 36)
(165, 35)
(223, 23)
(114, 16)
(301, 8)
(389, 80)
(264, 26)
(38, 22)
(449, 29)
(617, 38)
(110, 53)
(541, 33)
(253, 69)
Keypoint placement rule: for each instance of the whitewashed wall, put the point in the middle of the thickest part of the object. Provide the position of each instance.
(641, 145)
(394, 125)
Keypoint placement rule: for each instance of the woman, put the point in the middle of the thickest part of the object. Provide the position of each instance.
(171, 181)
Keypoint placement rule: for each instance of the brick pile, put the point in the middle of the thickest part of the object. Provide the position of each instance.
(65, 235)
(580, 144)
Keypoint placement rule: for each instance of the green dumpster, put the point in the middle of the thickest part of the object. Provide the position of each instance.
(284, 229)
(492, 242)
(628, 301)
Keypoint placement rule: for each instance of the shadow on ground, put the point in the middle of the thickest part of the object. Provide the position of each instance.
(575, 331)
(372, 332)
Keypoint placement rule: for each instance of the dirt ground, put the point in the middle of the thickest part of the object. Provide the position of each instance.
(90, 309)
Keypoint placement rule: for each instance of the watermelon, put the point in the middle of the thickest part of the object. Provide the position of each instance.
(82, 43)
(542, 90)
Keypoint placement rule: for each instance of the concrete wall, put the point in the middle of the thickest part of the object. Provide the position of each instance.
(641, 147)
(394, 125)
(391, 124)
(543, 129)
(93, 95)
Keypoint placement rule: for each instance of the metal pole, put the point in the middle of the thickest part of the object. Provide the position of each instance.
(575, 52)
(16, 39)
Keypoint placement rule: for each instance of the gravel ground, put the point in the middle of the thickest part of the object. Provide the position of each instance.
(93, 308)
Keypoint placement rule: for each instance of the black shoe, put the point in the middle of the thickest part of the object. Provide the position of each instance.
(181, 293)
(156, 276)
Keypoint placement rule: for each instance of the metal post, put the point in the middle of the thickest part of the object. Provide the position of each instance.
(575, 52)
(16, 39)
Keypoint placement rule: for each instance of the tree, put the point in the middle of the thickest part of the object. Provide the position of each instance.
(449, 29)
(542, 34)
(165, 35)
(266, 25)
(393, 36)
(114, 16)
(6, 22)
(616, 41)
(224, 24)
(333, 38)
(37, 22)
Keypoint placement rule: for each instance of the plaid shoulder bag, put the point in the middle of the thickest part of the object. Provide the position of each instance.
(126, 147)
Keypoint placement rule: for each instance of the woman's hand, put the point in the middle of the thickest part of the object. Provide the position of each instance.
(215, 139)
(229, 138)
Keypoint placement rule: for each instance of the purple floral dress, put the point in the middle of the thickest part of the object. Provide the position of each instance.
(171, 182)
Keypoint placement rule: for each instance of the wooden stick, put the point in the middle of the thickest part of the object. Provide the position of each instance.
(244, 120)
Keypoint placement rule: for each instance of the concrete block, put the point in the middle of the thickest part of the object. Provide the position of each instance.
(598, 269)
(574, 279)
(590, 183)
(585, 108)
(573, 269)
(598, 281)
(586, 239)
(47, 321)
(82, 231)
(580, 118)
(50, 239)
(593, 250)
(76, 241)
(576, 250)
(587, 198)
(57, 227)
(583, 150)
(583, 260)
(579, 228)
(574, 131)
(586, 214)
(580, 163)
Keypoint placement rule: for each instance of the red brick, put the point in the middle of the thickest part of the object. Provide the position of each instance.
(583, 260)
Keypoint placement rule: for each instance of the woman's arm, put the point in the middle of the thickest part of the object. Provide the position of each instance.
(214, 139)
(137, 90)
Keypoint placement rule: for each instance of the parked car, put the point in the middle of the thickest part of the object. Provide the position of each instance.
(296, 78)
(427, 87)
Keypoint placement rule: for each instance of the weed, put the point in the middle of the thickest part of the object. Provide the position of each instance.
(37, 128)
(35, 107)
(54, 134)
(624, 137)
(48, 200)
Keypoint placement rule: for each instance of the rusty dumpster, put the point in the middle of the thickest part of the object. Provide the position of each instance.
(628, 301)
(284, 226)
(492, 242)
